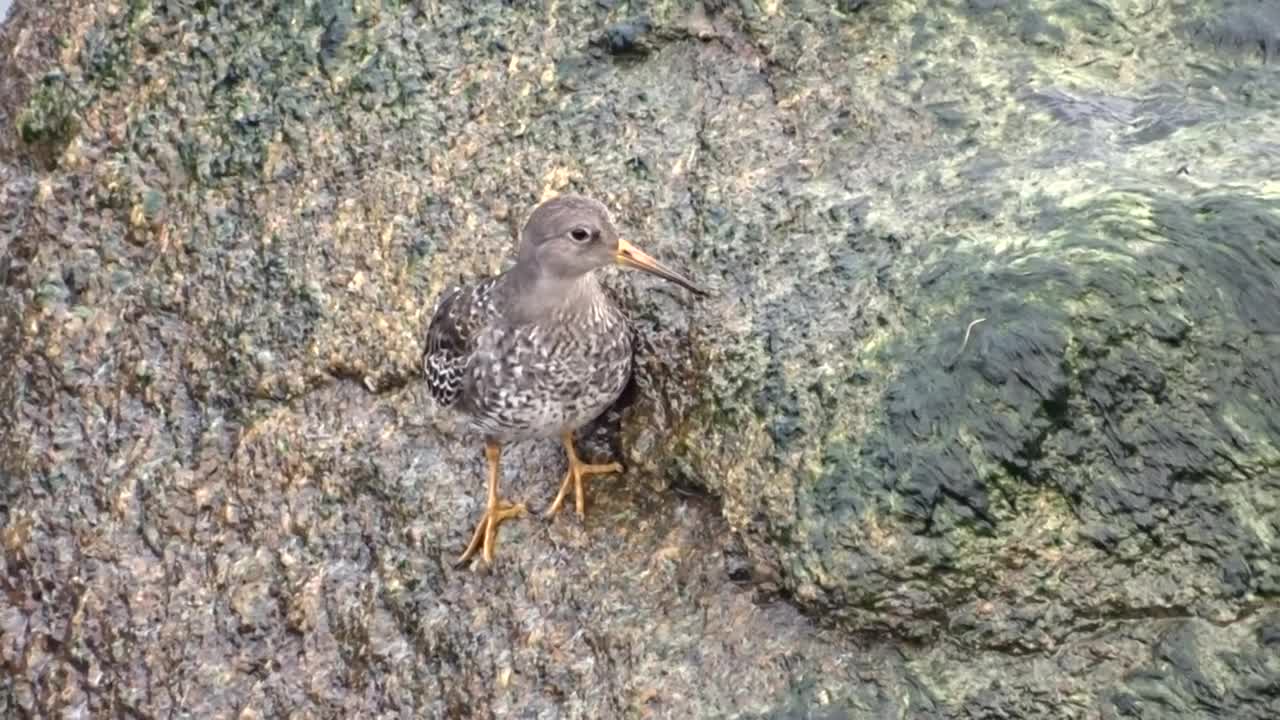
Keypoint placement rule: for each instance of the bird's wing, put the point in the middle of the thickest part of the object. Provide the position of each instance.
(460, 315)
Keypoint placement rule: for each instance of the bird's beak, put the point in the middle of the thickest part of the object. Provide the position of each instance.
(629, 255)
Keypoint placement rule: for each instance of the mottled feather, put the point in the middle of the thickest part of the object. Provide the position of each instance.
(459, 316)
(523, 379)
(541, 349)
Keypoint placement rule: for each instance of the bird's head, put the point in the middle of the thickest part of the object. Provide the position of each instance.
(569, 236)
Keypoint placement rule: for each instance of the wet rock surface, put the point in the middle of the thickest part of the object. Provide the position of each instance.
(982, 421)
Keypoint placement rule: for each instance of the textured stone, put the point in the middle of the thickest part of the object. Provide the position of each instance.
(981, 423)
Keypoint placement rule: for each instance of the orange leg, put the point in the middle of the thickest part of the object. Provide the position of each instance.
(486, 533)
(578, 471)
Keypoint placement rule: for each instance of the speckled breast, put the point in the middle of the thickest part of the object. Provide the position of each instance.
(542, 379)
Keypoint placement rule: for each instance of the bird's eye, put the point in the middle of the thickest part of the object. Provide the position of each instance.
(580, 234)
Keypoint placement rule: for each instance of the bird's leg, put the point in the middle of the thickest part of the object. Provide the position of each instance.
(486, 534)
(578, 471)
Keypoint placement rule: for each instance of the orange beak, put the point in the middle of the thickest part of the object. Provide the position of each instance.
(629, 255)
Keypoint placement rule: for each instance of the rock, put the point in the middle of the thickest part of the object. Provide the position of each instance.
(627, 37)
(1249, 28)
(981, 421)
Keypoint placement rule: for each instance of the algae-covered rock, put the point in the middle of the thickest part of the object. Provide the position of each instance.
(987, 390)
(981, 420)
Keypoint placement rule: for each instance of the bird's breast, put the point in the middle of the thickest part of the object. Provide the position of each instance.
(543, 378)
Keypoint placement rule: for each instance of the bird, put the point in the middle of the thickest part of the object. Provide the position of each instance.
(539, 350)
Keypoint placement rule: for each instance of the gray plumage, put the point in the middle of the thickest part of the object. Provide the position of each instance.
(541, 349)
(516, 378)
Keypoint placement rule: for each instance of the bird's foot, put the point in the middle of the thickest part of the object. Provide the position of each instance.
(579, 471)
(486, 534)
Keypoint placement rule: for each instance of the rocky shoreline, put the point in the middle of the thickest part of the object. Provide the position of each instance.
(982, 421)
